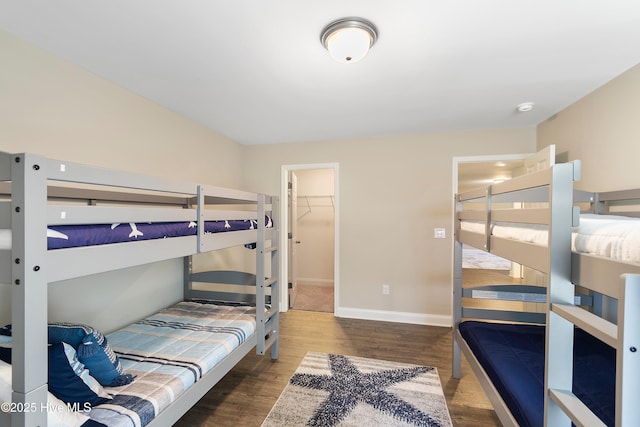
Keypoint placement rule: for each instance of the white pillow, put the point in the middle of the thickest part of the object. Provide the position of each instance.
(61, 417)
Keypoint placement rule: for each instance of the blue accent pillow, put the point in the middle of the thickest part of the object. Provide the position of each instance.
(101, 361)
(69, 381)
(71, 333)
(93, 351)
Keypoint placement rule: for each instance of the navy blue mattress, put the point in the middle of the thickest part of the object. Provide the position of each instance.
(513, 358)
(70, 236)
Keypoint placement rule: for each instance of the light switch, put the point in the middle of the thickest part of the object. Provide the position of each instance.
(439, 233)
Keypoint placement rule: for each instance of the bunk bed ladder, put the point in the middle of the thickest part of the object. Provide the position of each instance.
(267, 315)
(625, 340)
(559, 331)
(628, 357)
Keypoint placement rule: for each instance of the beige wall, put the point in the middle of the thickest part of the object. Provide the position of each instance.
(393, 191)
(602, 131)
(53, 108)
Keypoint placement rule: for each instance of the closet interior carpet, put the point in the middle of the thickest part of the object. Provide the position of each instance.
(314, 298)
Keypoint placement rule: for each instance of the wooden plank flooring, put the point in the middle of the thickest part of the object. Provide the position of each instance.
(245, 396)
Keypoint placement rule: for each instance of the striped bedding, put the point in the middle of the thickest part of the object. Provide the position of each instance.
(168, 352)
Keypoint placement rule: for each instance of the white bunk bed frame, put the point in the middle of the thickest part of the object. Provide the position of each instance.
(563, 269)
(29, 267)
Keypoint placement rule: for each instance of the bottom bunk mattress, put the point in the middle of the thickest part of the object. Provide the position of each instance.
(167, 353)
(513, 357)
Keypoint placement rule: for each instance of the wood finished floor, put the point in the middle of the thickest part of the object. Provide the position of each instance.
(245, 395)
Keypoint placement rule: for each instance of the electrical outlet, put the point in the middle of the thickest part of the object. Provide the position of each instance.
(439, 233)
(386, 289)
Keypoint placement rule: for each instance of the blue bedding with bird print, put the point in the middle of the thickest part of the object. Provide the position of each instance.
(71, 236)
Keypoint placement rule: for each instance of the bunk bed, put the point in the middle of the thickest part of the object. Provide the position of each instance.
(564, 349)
(195, 342)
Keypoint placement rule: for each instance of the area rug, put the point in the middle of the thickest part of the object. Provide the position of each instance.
(342, 391)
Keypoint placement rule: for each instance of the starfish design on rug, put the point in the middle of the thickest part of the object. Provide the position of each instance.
(347, 386)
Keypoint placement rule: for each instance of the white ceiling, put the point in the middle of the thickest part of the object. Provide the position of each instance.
(255, 70)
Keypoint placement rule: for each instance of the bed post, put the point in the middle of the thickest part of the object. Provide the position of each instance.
(275, 273)
(628, 354)
(187, 267)
(267, 321)
(29, 292)
(457, 291)
(559, 332)
(187, 261)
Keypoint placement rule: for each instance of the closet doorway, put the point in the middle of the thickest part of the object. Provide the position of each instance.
(311, 231)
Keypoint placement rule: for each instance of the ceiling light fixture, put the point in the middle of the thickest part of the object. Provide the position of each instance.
(349, 39)
(525, 107)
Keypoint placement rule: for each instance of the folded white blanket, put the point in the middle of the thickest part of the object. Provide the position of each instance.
(611, 236)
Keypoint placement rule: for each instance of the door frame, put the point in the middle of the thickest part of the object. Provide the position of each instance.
(284, 227)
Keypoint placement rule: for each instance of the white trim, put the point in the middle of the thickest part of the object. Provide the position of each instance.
(395, 316)
(284, 215)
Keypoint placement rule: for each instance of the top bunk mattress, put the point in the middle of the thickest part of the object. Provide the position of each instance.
(611, 236)
(71, 236)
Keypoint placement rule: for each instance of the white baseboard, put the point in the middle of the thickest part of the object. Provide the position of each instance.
(394, 316)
